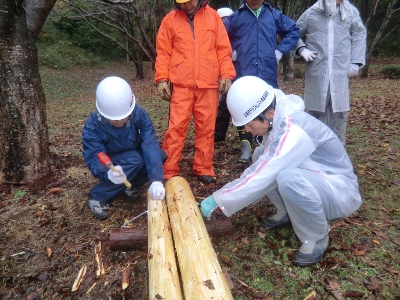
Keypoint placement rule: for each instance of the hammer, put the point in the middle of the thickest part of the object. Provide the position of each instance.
(106, 161)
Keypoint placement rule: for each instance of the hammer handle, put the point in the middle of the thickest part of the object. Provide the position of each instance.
(126, 182)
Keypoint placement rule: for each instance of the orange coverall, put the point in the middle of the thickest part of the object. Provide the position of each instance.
(193, 55)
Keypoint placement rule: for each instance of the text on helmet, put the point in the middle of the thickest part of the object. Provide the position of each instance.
(257, 105)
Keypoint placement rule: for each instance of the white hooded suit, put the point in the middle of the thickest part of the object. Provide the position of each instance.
(302, 154)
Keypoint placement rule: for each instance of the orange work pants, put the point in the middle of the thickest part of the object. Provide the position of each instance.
(202, 104)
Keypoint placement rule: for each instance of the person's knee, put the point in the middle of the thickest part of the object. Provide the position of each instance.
(291, 185)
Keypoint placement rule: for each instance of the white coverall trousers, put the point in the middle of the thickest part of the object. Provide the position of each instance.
(308, 200)
(337, 121)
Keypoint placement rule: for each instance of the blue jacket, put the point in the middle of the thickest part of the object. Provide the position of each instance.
(255, 40)
(137, 134)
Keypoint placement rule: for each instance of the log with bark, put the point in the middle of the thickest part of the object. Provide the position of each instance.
(201, 274)
(136, 238)
(163, 273)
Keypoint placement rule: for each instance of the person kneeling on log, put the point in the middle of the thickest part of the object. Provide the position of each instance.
(123, 131)
(302, 167)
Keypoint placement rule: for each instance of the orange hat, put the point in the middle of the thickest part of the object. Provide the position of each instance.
(181, 1)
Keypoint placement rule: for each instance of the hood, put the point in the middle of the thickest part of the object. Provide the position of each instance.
(286, 105)
(343, 6)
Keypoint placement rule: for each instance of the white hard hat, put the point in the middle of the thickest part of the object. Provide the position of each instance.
(248, 97)
(114, 98)
(224, 12)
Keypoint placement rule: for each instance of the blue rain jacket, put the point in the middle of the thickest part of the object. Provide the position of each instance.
(138, 133)
(255, 40)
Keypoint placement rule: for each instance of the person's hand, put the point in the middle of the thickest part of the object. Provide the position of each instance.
(278, 56)
(208, 205)
(116, 177)
(234, 55)
(164, 90)
(224, 85)
(307, 54)
(353, 70)
(157, 190)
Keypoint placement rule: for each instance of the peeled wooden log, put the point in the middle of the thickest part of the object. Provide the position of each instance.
(201, 274)
(163, 273)
(136, 238)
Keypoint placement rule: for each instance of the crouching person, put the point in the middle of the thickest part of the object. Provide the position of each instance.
(302, 167)
(123, 131)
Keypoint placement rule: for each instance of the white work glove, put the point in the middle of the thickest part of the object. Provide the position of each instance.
(157, 191)
(116, 177)
(278, 56)
(164, 90)
(353, 70)
(307, 54)
(234, 55)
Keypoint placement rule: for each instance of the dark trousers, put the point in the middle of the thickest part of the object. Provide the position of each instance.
(132, 163)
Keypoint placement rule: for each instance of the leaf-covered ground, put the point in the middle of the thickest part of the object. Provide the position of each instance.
(47, 233)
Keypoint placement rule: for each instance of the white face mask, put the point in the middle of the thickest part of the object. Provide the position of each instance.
(330, 6)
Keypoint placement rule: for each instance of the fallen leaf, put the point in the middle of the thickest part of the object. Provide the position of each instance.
(261, 235)
(228, 277)
(226, 259)
(311, 296)
(55, 190)
(372, 284)
(49, 253)
(376, 242)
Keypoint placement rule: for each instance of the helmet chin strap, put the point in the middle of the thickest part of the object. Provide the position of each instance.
(267, 119)
(269, 122)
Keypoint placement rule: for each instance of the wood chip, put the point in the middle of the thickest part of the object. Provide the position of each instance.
(79, 279)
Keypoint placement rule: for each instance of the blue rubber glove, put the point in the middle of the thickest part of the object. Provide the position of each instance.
(208, 205)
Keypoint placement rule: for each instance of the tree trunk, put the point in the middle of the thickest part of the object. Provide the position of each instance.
(364, 69)
(24, 150)
(288, 66)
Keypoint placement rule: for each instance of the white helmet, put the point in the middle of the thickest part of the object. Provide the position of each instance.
(224, 12)
(114, 98)
(248, 97)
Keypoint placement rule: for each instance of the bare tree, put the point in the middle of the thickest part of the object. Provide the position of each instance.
(389, 12)
(24, 147)
(136, 21)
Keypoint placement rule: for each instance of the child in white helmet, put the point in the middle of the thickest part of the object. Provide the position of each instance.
(302, 167)
(123, 131)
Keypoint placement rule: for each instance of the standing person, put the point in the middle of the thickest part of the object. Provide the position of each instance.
(223, 115)
(123, 131)
(334, 51)
(252, 31)
(302, 167)
(195, 56)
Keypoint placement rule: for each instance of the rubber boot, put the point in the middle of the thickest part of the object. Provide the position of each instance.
(223, 119)
(246, 140)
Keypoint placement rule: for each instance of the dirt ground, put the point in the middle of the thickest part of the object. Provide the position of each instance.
(48, 234)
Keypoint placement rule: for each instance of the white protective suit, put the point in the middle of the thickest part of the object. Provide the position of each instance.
(340, 40)
(298, 142)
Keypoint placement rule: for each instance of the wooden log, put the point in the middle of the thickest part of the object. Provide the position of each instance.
(164, 280)
(201, 274)
(136, 238)
(128, 239)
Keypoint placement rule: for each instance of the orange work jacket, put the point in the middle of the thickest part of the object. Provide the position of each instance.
(193, 56)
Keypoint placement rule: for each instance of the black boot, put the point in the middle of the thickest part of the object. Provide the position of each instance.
(246, 141)
(222, 122)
